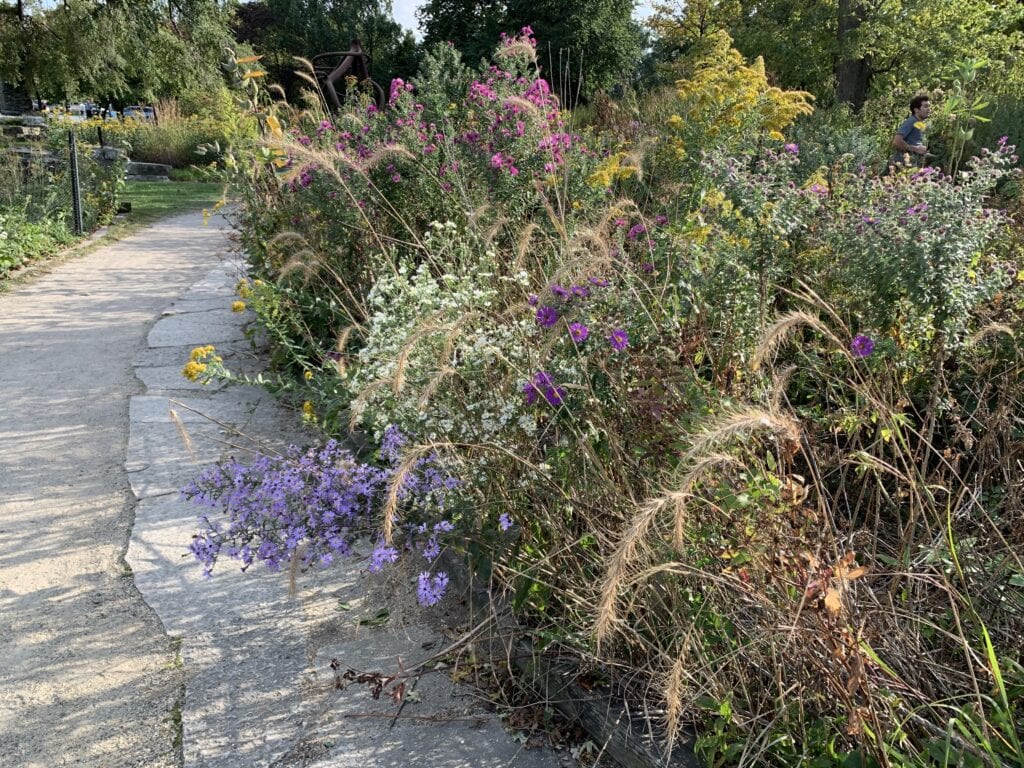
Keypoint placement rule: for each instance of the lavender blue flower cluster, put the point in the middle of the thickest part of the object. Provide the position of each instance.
(315, 503)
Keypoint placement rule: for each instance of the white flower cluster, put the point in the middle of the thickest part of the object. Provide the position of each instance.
(443, 359)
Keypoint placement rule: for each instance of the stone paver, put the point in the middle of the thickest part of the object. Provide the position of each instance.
(259, 687)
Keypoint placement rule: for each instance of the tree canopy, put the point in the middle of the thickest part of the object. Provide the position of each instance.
(113, 49)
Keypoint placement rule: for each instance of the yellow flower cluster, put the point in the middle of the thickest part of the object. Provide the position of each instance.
(611, 171)
(238, 306)
(199, 360)
(243, 290)
(727, 95)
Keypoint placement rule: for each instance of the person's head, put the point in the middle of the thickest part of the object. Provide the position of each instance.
(920, 106)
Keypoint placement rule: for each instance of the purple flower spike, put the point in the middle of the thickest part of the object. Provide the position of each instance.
(579, 332)
(619, 339)
(862, 346)
(547, 316)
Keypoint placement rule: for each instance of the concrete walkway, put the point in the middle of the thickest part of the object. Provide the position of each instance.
(144, 663)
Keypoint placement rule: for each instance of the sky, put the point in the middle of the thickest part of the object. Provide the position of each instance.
(405, 12)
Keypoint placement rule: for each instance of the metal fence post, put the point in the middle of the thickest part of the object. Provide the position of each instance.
(76, 189)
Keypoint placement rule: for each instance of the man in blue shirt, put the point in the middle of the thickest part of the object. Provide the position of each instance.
(909, 137)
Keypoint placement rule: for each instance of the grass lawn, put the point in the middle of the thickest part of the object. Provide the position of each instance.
(155, 200)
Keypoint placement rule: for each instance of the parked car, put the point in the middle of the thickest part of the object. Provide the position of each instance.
(140, 113)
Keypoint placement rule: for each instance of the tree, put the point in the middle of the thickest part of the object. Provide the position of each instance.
(284, 29)
(114, 49)
(472, 26)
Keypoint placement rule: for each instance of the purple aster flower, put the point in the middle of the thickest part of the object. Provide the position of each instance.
(661, 220)
(547, 316)
(619, 339)
(430, 590)
(862, 346)
(793, 149)
(579, 332)
(580, 291)
(530, 392)
(554, 395)
(432, 549)
(381, 554)
(543, 379)
(635, 231)
(504, 521)
(647, 266)
(600, 282)
(444, 526)
(560, 291)
(532, 299)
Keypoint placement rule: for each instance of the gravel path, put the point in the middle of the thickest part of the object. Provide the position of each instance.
(87, 674)
(114, 651)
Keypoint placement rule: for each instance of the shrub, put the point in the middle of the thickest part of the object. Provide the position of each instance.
(744, 428)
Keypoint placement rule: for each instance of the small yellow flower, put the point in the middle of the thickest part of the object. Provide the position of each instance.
(200, 352)
(308, 375)
(193, 370)
(238, 306)
(242, 289)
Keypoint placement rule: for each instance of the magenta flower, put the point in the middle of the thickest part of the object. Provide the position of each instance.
(579, 332)
(560, 291)
(547, 316)
(532, 299)
(618, 339)
(635, 231)
(793, 149)
(862, 346)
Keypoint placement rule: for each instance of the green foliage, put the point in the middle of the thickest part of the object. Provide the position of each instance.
(115, 51)
(735, 415)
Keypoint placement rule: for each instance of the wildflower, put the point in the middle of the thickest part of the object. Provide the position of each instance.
(862, 346)
(200, 352)
(635, 231)
(504, 521)
(432, 549)
(600, 282)
(560, 291)
(193, 370)
(647, 266)
(530, 393)
(580, 291)
(547, 316)
(554, 395)
(307, 375)
(308, 412)
(238, 306)
(430, 590)
(661, 220)
(532, 299)
(381, 554)
(793, 149)
(618, 339)
(579, 332)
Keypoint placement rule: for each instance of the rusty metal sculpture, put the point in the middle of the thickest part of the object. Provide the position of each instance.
(333, 67)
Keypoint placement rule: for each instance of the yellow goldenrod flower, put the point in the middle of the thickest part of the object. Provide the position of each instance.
(193, 370)
(201, 352)
(238, 306)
